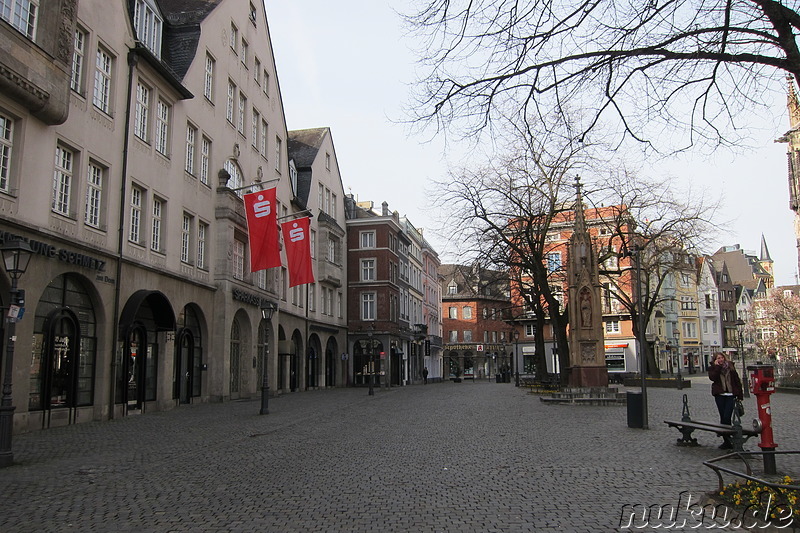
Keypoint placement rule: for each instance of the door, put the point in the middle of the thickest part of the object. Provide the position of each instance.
(184, 363)
(136, 367)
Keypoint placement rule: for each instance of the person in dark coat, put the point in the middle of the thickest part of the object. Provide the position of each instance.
(726, 387)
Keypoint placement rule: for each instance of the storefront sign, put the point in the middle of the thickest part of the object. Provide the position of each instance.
(248, 297)
(61, 254)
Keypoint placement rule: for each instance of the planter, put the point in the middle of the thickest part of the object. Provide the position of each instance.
(665, 383)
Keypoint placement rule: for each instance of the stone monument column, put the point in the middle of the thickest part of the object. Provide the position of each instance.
(586, 335)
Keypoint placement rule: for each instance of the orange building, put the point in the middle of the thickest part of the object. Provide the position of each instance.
(605, 227)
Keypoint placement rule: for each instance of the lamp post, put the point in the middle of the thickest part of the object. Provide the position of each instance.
(267, 310)
(16, 256)
(515, 358)
(678, 356)
(740, 324)
(371, 361)
(636, 252)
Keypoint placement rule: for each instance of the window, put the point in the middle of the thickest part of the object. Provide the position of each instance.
(612, 326)
(313, 243)
(256, 123)
(530, 330)
(186, 238)
(231, 102)
(142, 111)
(6, 144)
(262, 141)
(134, 234)
(367, 306)
(205, 154)
(367, 270)
(157, 225)
(202, 231)
(191, 134)
(327, 161)
(453, 312)
(21, 14)
(244, 53)
(238, 259)
(253, 14)
(78, 54)
(162, 128)
(368, 239)
(234, 37)
(235, 180)
(452, 289)
(242, 109)
(553, 261)
(453, 336)
(467, 312)
(266, 83)
(467, 335)
(102, 81)
(257, 71)
(208, 81)
(278, 148)
(94, 195)
(148, 24)
(62, 180)
(333, 245)
(332, 212)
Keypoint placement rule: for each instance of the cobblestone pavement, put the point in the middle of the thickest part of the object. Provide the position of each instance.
(483, 457)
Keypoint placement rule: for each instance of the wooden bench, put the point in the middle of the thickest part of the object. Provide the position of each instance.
(687, 426)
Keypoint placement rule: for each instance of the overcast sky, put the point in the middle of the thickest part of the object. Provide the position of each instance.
(348, 65)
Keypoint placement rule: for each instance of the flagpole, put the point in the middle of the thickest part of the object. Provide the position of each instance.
(297, 215)
(254, 184)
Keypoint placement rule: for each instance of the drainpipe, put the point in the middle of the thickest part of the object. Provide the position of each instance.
(132, 60)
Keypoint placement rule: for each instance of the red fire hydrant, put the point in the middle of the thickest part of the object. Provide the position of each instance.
(762, 385)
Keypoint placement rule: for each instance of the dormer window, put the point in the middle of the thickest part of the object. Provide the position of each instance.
(148, 23)
(253, 14)
(293, 177)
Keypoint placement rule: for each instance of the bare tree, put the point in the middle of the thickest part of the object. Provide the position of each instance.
(648, 222)
(679, 71)
(500, 214)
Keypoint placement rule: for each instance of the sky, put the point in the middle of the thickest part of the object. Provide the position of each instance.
(349, 65)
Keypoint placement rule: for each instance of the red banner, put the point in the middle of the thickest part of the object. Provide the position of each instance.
(298, 251)
(262, 225)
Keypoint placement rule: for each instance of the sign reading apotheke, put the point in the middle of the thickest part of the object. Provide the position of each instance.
(51, 252)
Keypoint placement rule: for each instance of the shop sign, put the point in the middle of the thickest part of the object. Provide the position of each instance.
(61, 254)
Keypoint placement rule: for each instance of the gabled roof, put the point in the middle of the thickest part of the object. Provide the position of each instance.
(303, 147)
(182, 31)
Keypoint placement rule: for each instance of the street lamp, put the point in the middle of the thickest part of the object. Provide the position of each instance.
(267, 310)
(371, 360)
(16, 256)
(678, 356)
(636, 253)
(515, 358)
(740, 324)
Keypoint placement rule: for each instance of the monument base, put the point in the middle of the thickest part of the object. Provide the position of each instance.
(588, 376)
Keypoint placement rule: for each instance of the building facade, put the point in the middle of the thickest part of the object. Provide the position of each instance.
(131, 130)
(390, 336)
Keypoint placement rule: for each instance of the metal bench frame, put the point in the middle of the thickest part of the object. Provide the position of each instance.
(687, 426)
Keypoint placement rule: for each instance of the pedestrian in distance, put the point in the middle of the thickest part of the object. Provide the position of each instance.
(425, 376)
(726, 388)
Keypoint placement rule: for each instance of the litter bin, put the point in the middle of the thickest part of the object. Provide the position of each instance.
(635, 411)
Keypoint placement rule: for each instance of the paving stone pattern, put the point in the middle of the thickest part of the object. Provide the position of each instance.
(482, 457)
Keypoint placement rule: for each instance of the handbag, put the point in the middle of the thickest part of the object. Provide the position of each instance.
(739, 408)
